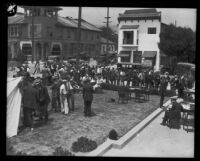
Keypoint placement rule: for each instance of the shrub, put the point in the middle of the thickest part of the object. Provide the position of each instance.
(113, 135)
(83, 144)
(59, 151)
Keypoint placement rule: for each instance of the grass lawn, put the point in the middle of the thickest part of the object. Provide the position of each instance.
(63, 130)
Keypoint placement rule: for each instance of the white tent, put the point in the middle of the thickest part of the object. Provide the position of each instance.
(13, 106)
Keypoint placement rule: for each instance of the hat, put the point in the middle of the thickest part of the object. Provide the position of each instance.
(36, 81)
(174, 98)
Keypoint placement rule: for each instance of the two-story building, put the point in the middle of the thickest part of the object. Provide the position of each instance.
(112, 46)
(139, 37)
(53, 35)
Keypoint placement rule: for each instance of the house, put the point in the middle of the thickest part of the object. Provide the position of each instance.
(138, 38)
(53, 35)
(112, 46)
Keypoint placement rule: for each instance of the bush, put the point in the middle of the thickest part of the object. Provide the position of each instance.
(113, 135)
(59, 151)
(83, 144)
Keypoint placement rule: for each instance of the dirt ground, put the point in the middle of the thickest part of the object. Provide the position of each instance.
(63, 130)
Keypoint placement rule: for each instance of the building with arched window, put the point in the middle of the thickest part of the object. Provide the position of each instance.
(52, 34)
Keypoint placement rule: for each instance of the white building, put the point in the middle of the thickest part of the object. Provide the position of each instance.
(138, 38)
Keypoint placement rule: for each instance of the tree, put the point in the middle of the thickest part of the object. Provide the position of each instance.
(179, 42)
(112, 36)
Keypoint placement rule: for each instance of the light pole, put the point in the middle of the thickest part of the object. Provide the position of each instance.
(78, 36)
(32, 35)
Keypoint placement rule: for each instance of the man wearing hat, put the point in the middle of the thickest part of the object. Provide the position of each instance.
(55, 94)
(173, 113)
(163, 86)
(29, 101)
(43, 100)
(87, 97)
(63, 98)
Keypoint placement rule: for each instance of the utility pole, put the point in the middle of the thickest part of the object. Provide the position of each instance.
(107, 26)
(78, 36)
(32, 35)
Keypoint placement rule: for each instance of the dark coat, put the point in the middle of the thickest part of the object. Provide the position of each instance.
(30, 97)
(88, 92)
(175, 111)
(43, 96)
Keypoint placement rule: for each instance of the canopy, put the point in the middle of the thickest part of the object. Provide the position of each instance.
(149, 54)
(13, 106)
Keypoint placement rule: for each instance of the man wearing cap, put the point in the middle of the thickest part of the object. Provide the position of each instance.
(87, 97)
(174, 112)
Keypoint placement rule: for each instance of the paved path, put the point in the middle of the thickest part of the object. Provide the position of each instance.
(158, 141)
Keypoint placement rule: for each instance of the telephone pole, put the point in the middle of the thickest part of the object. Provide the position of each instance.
(107, 26)
(32, 34)
(78, 36)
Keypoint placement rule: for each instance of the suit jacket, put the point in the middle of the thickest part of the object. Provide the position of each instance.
(175, 111)
(30, 97)
(88, 92)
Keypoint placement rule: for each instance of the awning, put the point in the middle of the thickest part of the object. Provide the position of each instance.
(149, 54)
(22, 43)
(129, 26)
(127, 63)
(123, 55)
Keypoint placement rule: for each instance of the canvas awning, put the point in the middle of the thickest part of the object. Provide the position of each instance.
(149, 54)
(25, 43)
(129, 26)
(123, 55)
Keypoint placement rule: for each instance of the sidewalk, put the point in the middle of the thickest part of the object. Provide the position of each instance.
(158, 141)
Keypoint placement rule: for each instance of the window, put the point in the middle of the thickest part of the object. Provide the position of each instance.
(126, 57)
(37, 30)
(151, 30)
(128, 37)
(26, 49)
(14, 32)
(56, 49)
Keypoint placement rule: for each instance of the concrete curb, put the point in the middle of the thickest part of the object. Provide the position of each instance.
(119, 144)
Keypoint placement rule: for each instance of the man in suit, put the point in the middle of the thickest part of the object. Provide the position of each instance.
(173, 112)
(29, 101)
(43, 100)
(163, 86)
(87, 97)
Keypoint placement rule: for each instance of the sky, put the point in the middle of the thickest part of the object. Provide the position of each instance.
(96, 15)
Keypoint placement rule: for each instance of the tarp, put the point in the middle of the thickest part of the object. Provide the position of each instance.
(13, 106)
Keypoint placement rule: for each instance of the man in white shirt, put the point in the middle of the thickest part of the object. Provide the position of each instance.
(63, 98)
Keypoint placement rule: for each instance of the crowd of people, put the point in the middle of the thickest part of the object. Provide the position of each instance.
(65, 79)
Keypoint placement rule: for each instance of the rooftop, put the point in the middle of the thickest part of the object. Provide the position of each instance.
(65, 22)
(140, 14)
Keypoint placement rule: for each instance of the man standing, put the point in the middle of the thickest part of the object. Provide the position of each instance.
(44, 100)
(163, 86)
(63, 98)
(87, 97)
(55, 94)
(29, 101)
(70, 95)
